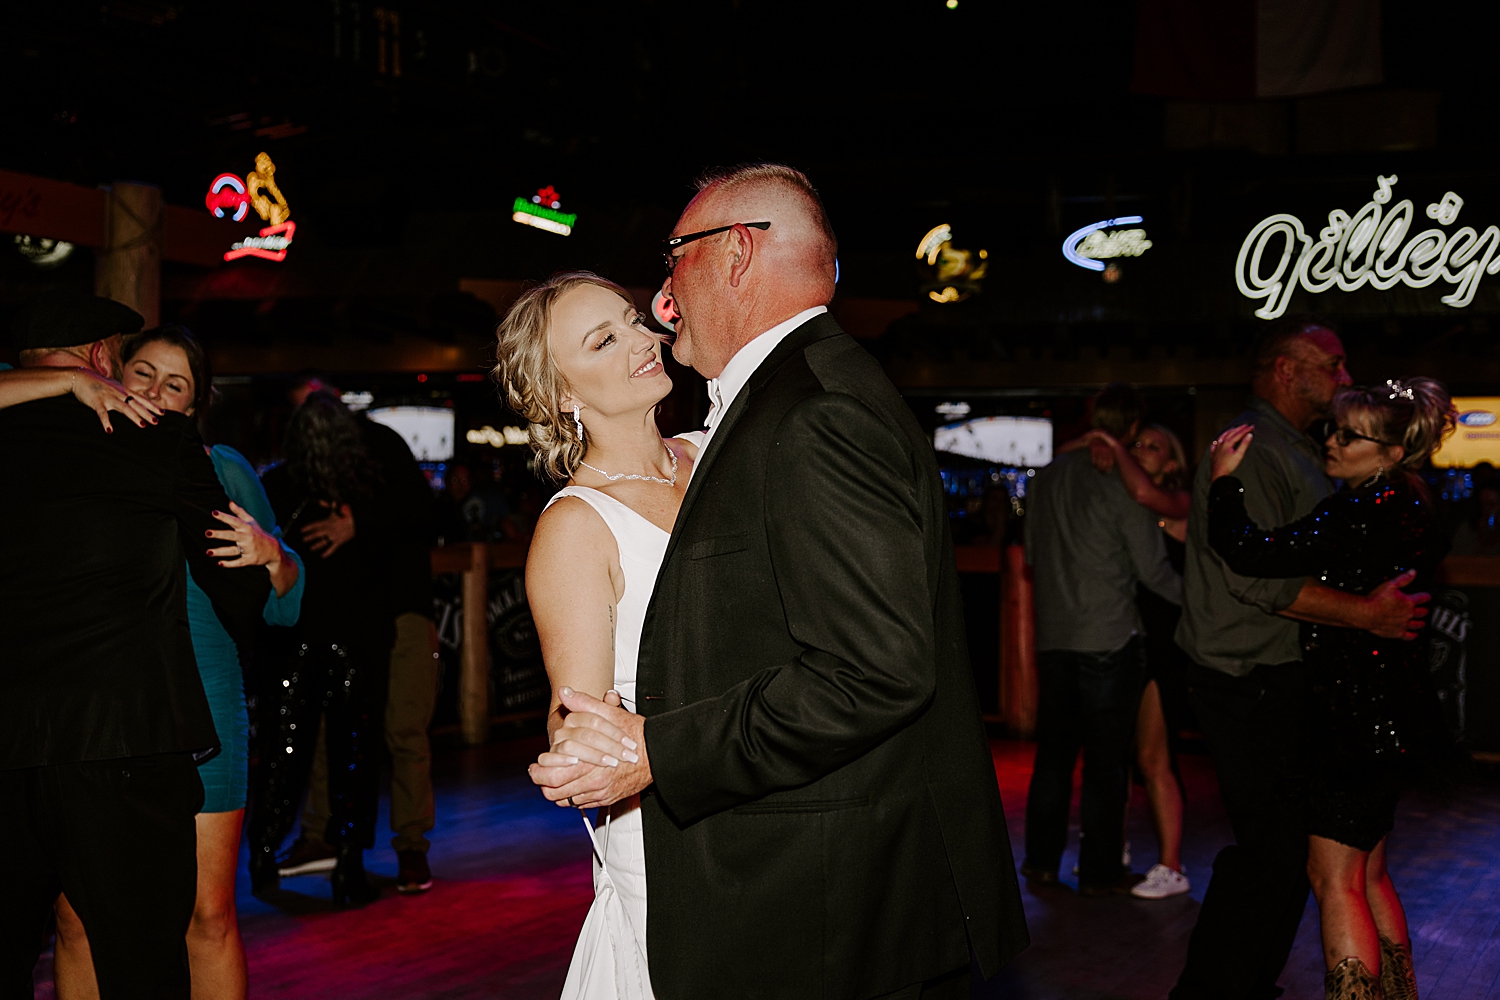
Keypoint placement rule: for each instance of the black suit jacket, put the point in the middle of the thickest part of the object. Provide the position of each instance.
(825, 819)
(95, 658)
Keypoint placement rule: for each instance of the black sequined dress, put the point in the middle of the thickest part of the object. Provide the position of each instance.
(1368, 712)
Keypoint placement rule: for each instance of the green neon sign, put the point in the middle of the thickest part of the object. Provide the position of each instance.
(525, 207)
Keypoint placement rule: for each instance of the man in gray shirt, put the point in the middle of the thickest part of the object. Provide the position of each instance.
(1247, 685)
(1089, 544)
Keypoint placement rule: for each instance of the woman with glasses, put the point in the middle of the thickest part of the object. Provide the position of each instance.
(1366, 714)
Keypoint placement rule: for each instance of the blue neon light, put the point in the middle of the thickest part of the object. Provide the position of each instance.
(1071, 243)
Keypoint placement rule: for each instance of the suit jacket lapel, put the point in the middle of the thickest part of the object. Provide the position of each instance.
(818, 328)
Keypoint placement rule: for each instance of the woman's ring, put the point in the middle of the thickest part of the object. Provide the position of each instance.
(570, 802)
(238, 549)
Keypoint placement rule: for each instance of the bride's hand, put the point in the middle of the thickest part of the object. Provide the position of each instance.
(583, 784)
(585, 738)
(1229, 449)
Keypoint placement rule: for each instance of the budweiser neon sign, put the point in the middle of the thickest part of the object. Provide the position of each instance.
(229, 196)
(1370, 247)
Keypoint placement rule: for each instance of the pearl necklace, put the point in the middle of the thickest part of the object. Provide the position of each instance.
(649, 479)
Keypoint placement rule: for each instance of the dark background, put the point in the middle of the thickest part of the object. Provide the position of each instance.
(1013, 122)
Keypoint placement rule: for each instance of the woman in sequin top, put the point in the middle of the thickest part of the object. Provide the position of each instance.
(1366, 693)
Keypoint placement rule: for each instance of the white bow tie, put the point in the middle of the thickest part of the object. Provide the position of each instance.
(716, 405)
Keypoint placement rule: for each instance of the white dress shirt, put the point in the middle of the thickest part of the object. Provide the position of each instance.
(723, 390)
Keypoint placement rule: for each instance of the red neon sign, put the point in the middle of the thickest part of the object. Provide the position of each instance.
(271, 244)
(227, 192)
(258, 191)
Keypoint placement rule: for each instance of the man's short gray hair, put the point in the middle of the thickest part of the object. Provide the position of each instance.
(728, 178)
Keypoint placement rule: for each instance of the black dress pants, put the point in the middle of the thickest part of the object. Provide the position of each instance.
(119, 837)
(1088, 702)
(1254, 902)
(347, 684)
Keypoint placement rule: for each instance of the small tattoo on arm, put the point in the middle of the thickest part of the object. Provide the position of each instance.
(611, 630)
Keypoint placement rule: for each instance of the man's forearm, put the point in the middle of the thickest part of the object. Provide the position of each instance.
(1327, 606)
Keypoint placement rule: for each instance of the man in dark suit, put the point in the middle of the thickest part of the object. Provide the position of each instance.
(102, 712)
(821, 812)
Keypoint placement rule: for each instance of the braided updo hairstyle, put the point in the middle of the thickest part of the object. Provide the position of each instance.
(528, 378)
(1415, 413)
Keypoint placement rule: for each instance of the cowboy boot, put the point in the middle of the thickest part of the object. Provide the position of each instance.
(1397, 976)
(1351, 979)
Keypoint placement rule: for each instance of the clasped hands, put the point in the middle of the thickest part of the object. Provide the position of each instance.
(598, 754)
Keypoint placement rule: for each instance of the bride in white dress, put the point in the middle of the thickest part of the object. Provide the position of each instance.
(576, 359)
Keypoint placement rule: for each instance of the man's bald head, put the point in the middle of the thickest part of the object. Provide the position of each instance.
(733, 287)
(781, 194)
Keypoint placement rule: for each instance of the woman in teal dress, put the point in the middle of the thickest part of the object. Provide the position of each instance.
(165, 369)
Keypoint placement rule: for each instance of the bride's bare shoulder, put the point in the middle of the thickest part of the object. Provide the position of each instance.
(569, 529)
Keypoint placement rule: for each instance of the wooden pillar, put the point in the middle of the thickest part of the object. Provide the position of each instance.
(1018, 677)
(129, 264)
(474, 670)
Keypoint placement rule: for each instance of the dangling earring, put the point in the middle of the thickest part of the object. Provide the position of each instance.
(577, 424)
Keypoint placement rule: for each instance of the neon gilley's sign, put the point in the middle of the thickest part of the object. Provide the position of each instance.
(1370, 247)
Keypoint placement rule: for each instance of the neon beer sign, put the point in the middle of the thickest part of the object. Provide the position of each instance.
(1370, 247)
(227, 194)
(544, 212)
(1089, 246)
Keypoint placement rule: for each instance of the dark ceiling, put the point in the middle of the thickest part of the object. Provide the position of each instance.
(905, 113)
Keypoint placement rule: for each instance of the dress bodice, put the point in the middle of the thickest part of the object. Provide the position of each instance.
(642, 547)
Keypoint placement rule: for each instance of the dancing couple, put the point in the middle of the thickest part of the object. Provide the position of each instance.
(1309, 673)
(754, 634)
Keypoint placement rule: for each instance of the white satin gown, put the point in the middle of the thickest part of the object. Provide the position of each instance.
(609, 962)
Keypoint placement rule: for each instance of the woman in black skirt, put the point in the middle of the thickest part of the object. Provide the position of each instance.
(1368, 694)
(333, 666)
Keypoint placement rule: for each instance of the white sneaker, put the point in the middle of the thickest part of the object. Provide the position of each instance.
(1162, 882)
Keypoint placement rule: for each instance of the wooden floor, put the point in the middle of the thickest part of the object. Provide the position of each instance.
(513, 886)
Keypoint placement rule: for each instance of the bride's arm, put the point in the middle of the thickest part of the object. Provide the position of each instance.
(573, 584)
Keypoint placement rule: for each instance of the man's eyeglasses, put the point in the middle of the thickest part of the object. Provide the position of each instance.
(1344, 436)
(670, 259)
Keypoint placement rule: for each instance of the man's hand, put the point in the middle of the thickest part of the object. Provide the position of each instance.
(326, 536)
(1393, 614)
(598, 754)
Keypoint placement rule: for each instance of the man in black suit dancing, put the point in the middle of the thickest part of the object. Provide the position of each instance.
(102, 712)
(821, 813)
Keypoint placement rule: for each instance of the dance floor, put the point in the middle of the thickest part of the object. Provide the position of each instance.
(513, 886)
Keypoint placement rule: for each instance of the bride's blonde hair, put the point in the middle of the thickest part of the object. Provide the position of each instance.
(528, 378)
